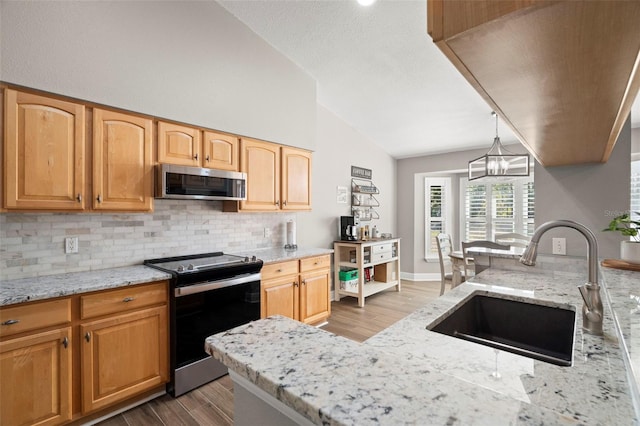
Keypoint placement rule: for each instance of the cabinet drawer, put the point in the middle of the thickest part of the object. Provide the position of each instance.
(381, 256)
(112, 301)
(275, 270)
(17, 319)
(317, 262)
(381, 248)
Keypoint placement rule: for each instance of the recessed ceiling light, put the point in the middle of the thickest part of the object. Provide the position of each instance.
(366, 2)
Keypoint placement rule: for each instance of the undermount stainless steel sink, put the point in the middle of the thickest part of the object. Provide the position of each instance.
(537, 331)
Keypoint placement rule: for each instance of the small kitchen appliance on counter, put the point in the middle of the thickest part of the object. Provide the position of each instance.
(349, 228)
(210, 293)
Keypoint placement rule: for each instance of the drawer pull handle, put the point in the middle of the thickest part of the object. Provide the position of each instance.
(278, 270)
(128, 299)
(65, 342)
(10, 322)
(87, 336)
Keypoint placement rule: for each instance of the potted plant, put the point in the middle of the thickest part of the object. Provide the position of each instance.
(629, 249)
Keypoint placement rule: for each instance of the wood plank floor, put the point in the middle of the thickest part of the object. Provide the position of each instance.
(212, 404)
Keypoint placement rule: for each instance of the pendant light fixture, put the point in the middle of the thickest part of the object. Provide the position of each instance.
(499, 162)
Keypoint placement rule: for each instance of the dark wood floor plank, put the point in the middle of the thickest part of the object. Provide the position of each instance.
(219, 396)
(171, 412)
(142, 415)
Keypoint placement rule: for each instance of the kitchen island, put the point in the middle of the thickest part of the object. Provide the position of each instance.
(408, 374)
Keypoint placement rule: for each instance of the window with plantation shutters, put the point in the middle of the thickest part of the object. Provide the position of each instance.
(492, 208)
(437, 212)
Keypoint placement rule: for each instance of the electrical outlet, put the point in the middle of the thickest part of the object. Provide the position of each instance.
(267, 232)
(559, 246)
(71, 245)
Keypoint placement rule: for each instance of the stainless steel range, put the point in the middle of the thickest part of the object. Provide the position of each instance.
(210, 293)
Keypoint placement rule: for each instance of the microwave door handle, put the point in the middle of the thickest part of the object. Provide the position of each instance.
(214, 285)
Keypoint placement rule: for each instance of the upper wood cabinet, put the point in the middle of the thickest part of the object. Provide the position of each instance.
(122, 161)
(44, 153)
(220, 151)
(562, 75)
(296, 179)
(189, 146)
(179, 144)
(278, 177)
(261, 162)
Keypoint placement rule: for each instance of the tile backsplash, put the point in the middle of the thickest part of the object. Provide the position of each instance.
(32, 244)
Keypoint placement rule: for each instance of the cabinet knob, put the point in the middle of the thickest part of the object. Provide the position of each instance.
(277, 202)
(87, 336)
(65, 342)
(79, 198)
(195, 157)
(207, 158)
(99, 198)
(10, 322)
(128, 299)
(304, 282)
(295, 284)
(284, 203)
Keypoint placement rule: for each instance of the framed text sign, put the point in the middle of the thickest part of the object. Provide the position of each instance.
(360, 172)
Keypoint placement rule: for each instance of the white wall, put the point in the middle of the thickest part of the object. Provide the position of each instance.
(339, 146)
(190, 61)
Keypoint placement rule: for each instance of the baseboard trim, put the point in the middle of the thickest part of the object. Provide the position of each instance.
(429, 276)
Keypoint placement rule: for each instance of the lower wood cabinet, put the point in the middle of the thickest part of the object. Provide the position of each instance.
(35, 379)
(118, 337)
(298, 289)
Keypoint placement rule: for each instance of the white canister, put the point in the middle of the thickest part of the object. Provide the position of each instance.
(630, 251)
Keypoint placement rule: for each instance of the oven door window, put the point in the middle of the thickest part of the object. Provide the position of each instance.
(200, 315)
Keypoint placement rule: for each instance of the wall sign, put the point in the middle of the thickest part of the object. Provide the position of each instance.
(361, 172)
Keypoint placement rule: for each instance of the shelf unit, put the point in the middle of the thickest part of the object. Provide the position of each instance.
(363, 200)
(383, 255)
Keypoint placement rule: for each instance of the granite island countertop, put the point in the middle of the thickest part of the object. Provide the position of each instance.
(410, 375)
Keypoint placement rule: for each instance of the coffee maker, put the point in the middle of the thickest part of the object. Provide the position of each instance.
(349, 228)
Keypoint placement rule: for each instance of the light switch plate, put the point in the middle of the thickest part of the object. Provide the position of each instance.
(559, 246)
(267, 232)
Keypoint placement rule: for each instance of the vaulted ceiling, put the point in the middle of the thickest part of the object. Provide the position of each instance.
(379, 71)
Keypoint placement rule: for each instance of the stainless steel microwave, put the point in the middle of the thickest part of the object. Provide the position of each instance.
(196, 183)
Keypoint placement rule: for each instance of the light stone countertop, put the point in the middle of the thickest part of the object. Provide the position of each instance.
(50, 286)
(409, 375)
(272, 255)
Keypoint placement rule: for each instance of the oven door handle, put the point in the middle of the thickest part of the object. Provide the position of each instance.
(214, 285)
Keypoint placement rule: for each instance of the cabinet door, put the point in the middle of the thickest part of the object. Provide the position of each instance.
(280, 297)
(261, 162)
(178, 144)
(35, 379)
(44, 154)
(123, 355)
(296, 179)
(122, 162)
(315, 305)
(220, 151)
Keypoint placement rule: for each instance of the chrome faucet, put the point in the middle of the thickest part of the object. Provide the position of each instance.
(592, 311)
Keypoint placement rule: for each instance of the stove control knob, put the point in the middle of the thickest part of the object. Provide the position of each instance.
(253, 258)
(246, 259)
(180, 268)
(190, 267)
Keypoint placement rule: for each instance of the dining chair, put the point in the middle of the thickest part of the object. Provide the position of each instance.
(443, 241)
(469, 266)
(513, 239)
